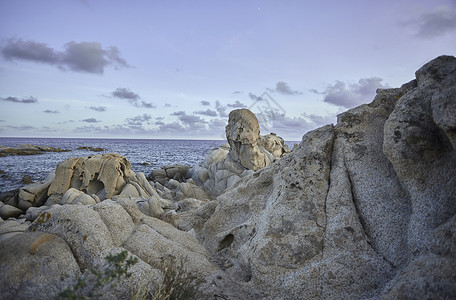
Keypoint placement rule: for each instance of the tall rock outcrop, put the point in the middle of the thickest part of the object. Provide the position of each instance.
(362, 209)
(245, 152)
(242, 133)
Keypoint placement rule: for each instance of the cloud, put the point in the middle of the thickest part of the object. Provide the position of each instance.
(22, 127)
(17, 100)
(205, 103)
(272, 120)
(220, 123)
(123, 93)
(48, 111)
(193, 122)
(179, 113)
(283, 88)
(237, 104)
(139, 120)
(207, 112)
(133, 98)
(220, 109)
(146, 104)
(173, 127)
(434, 23)
(98, 108)
(91, 120)
(351, 95)
(190, 121)
(88, 57)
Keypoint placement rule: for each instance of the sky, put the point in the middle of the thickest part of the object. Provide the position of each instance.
(175, 69)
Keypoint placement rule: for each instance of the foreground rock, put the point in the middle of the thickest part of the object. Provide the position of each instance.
(363, 209)
(71, 238)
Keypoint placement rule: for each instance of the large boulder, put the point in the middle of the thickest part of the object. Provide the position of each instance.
(32, 265)
(361, 210)
(242, 133)
(103, 175)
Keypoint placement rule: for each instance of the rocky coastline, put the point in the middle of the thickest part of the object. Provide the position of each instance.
(364, 209)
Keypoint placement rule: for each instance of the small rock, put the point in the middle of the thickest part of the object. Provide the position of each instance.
(8, 211)
(27, 179)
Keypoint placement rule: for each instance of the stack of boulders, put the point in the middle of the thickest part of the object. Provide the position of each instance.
(245, 153)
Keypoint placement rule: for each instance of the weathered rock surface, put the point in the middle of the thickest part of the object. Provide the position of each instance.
(103, 175)
(71, 238)
(363, 209)
(32, 264)
(245, 152)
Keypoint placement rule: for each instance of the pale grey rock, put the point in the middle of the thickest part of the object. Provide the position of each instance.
(74, 196)
(11, 228)
(155, 239)
(188, 204)
(81, 227)
(271, 208)
(164, 192)
(216, 155)
(172, 184)
(190, 190)
(274, 144)
(443, 106)
(151, 207)
(32, 264)
(116, 219)
(421, 154)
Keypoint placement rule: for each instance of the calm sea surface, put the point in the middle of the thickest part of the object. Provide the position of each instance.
(144, 155)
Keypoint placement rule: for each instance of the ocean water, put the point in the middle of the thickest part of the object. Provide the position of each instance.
(144, 155)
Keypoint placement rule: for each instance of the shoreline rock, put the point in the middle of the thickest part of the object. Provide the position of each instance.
(28, 149)
(363, 209)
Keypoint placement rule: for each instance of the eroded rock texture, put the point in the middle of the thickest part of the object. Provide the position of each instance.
(363, 209)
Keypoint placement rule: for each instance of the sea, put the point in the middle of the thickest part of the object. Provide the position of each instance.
(145, 155)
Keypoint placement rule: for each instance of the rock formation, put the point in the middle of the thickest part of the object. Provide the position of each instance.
(365, 209)
(359, 210)
(246, 151)
(27, 149)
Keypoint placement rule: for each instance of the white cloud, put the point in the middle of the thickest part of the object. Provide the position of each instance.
(350, 95)
(133, 98)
